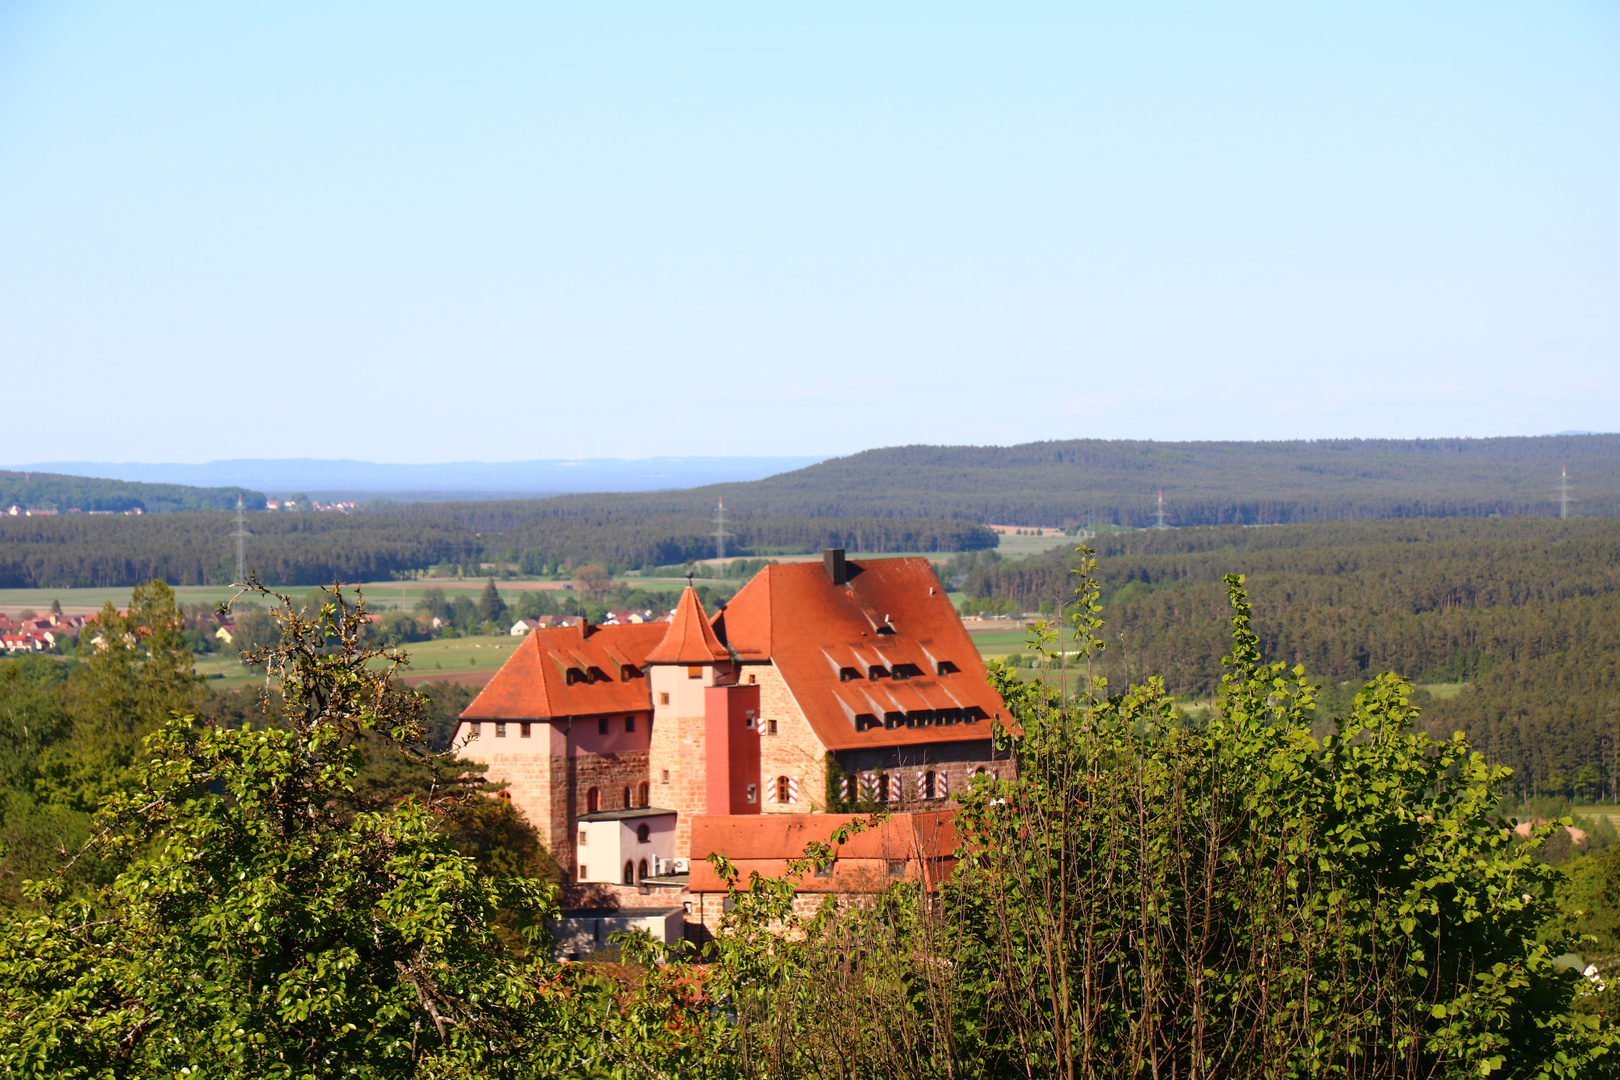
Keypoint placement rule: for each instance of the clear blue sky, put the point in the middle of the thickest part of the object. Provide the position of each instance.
(506, 231)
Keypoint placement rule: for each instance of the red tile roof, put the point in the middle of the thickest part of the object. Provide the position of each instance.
(767, 842)
(689, 638)
(828, 641)
(571, 671)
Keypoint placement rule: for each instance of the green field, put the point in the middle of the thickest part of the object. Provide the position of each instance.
(447, 657)
(1022, 547)
(380, 595)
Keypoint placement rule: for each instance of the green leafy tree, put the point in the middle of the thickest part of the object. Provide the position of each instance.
(262, 927)
(135, 672)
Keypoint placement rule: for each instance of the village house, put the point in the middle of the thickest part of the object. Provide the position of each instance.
(818, 687)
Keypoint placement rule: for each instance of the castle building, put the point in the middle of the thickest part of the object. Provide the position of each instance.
(821, 687)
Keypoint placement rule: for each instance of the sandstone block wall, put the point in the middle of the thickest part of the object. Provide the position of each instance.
(675, 766)
(793, 750)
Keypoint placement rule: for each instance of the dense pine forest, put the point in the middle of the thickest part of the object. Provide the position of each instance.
(1525, 612)
(50, 491)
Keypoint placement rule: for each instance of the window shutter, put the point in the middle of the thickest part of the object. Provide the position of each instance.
(793, 789)
(942, 787)
(869, 786)
(922, 785)
(894, 788)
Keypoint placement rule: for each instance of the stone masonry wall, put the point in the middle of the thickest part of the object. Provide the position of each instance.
(793, 750)
(676, 767)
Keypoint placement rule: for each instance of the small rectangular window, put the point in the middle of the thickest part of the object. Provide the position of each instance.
(753, 793)
(897, 868)
(753, 679)
(500, 730)
(582, 838)
(583, 872)
(524, 732)
(629, 723)
(663, 699)
(772, 722)
(666, 776)
(601, 726)
(748, 719)
(694, 671)
(824, 869)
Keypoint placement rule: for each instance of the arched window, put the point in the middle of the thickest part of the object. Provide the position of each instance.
(507, 795)
(629, 873)
(643, 833)
(928, 785)
(781, 789)
(883, 787)
(593, 801)
(641, 870)
(644, 795)
(627, 796)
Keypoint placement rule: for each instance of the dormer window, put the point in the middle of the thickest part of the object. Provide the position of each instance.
(876, 672)
(848, 674)
(948, 668)
(885, 629)
(907, 671)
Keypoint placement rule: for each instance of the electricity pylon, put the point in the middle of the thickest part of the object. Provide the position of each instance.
(1161, 524)
(720, 533)
(1564, 497)
(241, 535)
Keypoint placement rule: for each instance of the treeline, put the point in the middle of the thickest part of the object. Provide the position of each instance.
(1526, 612)
(52, 491)
(1116, 482)
(629, 540)
(79, 551)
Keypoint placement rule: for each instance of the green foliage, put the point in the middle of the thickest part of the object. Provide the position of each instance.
(1150, 897)
(262, 927)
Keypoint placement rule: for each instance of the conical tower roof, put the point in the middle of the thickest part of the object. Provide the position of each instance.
(690, 639)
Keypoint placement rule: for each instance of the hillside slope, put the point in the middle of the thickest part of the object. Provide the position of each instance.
(47, 491)
(1117, 481)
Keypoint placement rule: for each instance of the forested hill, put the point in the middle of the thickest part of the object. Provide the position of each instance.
(52, 491)
(1525, 612)
(1204, 483)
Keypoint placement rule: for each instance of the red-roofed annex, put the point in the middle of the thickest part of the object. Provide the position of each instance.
(824, 687)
